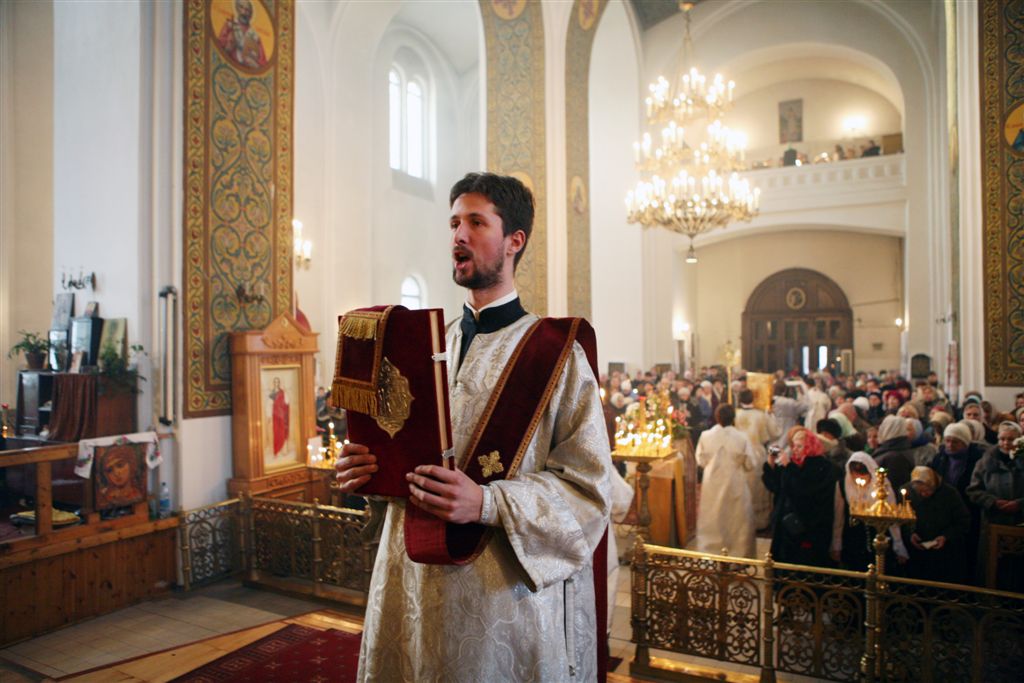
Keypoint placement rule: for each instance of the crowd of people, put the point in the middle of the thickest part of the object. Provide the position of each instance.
(794, 471)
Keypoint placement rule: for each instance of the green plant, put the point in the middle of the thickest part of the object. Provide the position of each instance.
(118, 375)
(30, 342)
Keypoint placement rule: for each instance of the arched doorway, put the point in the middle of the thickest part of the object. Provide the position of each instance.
(796, 319)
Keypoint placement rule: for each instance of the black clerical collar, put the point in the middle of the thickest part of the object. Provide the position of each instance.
(490, 320)
(495, 318)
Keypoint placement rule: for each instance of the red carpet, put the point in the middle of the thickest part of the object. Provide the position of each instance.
(295, 653)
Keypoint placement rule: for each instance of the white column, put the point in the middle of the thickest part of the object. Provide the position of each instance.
(556, 24)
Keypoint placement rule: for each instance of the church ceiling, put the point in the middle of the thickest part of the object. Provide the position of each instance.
(651, 12)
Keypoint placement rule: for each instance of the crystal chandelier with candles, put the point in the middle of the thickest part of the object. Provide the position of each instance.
(690, 182)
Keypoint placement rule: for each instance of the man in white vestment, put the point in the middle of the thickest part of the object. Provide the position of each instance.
(524, 609)
(761, 428)
(725, 518)
(819, 405)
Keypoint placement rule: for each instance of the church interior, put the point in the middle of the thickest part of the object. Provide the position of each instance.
(192, 194)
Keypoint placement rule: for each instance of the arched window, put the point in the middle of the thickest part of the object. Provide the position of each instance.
(413, 296)
(414, 125)
(409, 143)
(395, 119)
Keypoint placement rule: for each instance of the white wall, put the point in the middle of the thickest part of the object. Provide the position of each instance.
(866, 267)
(410, 216)
(616, 261)
(826, 104)
(27, 225)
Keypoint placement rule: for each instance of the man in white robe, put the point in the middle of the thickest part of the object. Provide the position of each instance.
(524, 609)
(761, 428)
(818, 404)
(725, 518)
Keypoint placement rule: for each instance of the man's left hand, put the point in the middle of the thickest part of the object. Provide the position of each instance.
(447, 494)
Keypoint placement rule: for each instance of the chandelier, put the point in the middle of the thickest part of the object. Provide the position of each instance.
(690, 182)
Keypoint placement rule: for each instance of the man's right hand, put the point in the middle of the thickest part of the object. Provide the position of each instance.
(354, 467)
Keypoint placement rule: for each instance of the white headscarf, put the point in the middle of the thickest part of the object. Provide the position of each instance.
(892, 427)
(862, 494)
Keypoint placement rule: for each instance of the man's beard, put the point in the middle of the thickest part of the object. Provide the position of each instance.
(484, 276)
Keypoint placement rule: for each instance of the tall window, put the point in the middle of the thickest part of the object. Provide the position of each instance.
(407, 123)
(412, 293)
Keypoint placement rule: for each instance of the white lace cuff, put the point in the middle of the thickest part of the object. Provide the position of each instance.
(488, 513)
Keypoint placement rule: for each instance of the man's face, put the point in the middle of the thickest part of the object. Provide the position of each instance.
(972, 412)
(479, 247)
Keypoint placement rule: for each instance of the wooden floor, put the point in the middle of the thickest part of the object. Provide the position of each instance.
(168, 665)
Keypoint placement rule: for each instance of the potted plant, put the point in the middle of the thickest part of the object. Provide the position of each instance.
(33, 346)
(117, 374)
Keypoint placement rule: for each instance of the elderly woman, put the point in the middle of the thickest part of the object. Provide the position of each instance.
(940, 532)
(997, 487)
(804, 484)
(851, 544)
(895, 452)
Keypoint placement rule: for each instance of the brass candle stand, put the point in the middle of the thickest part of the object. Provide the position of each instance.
(323, 460)
(880, 515)
(644, 442)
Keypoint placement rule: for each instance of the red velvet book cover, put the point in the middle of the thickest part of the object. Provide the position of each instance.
(391, 378)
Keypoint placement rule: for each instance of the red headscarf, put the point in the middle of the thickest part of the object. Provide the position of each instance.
(812, 446)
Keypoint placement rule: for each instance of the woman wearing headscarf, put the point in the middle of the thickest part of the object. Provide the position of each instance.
(725, 516)
(938, 420)
(851, 544)
(895, 452)
(920, 441)
(940, 532)
(997, 487)
(954, 463)
(853, 439)
(804, 484)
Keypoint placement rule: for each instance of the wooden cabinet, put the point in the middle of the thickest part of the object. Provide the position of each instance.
(95, 410)
(35, 393)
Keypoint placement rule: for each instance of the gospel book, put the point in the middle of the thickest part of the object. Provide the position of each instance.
(391, 378)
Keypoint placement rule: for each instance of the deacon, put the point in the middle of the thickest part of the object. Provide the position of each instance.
(521, 606)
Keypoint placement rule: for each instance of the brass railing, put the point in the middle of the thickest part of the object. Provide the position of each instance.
(303, 548)
(818, 622)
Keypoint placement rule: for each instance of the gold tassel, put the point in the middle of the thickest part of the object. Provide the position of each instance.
(352, 398)
(359, 327)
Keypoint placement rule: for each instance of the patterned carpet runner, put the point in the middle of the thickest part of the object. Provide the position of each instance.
(295, 653)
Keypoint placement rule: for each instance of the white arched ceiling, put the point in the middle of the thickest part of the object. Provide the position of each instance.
(813, 61)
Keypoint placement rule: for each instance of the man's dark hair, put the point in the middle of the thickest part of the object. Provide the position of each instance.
(512, 200)
(830, 427)
(725, 415)
(746, 397)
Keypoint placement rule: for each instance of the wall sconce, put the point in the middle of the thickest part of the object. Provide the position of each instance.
(854, 124)
(81, 282)
(303, 248)
(248, 294)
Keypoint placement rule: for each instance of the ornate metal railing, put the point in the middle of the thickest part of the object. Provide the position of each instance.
(210, 543)
(298, 547)
(818, 622)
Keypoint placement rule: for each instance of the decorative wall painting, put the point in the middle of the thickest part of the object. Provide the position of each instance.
(791, 121)
(120, 475)
(239, 90)
(283, 444)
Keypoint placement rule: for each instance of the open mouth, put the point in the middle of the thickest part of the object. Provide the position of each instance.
(460, 257)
